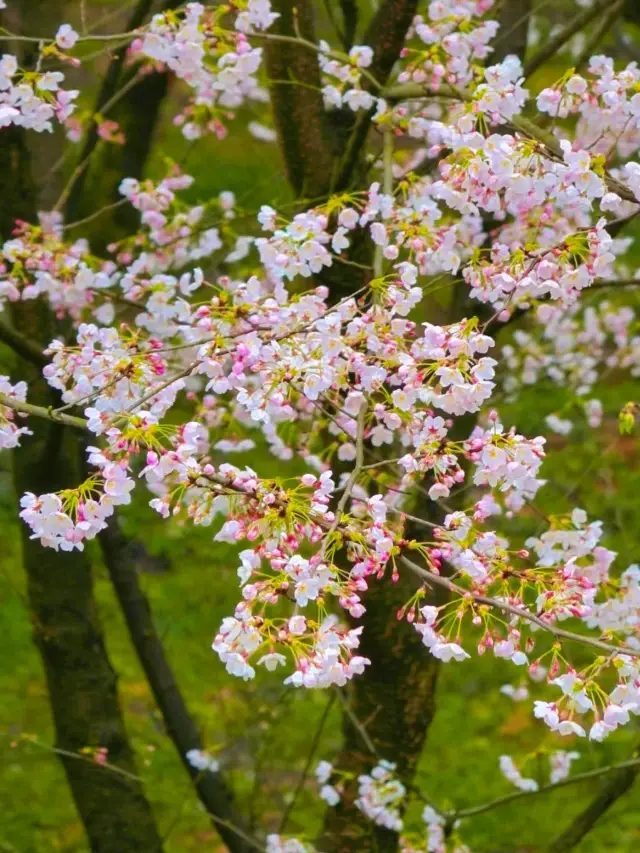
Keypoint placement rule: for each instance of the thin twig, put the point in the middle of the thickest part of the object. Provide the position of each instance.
(307, 767)
(387, 188)
(544, 789)
(357, 468)
(364, 734)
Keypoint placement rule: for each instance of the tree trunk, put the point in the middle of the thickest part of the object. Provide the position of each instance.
(394, 701)
(66, 628)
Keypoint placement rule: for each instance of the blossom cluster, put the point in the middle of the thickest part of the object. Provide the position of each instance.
(10, 431)
(33, 99)
(219, 65)
(454, 38)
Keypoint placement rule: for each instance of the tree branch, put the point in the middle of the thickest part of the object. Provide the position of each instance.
(553, 45)
(598, 34)
(586, 820)
(385, 35)
(409, 91)
(48, 414)
(299, 115)
(107, 91)
(631, 764)
(514, 28)
(22, 345)
(212, 790)
(307, 767)
(350, 17)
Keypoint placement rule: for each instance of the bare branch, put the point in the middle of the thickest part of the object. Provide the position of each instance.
(121, 559)
(514, 28)
(602, 802)
(22, 345)
(307, 767)
(632, 764)
(599, 33)
(553, 45)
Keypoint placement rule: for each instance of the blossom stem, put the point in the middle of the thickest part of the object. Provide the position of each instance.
(5, 35)
(387, 188)
(357, 468)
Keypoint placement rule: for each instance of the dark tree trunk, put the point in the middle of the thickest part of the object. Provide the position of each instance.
(394, 699)
(80, 678)
(66, 628)
(395, 702)
(301, 122)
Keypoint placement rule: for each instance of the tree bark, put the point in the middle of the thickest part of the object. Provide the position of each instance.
(299, 115)
(394, 700)
(80, 678)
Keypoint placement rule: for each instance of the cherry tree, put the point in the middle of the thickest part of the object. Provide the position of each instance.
(422, 157)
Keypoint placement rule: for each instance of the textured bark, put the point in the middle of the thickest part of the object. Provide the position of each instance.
(395, 701)
(80, 678)
(66, 629)
(385, 34)
(303, 130)
(122, 557)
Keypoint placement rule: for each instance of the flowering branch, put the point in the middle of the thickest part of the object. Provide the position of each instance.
(528, 128)
(516, 611)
